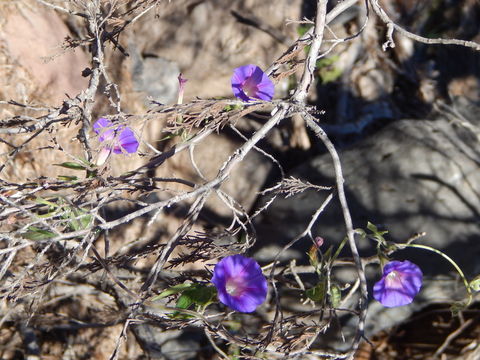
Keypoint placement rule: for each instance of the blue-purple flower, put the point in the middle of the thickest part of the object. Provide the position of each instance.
(249, 82)
(240, 283)
(117, 138)
(400, 282)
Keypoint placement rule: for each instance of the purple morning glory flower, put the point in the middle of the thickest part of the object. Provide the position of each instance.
(118, 138)
(249, 82)
(240, 283)
(400, 282)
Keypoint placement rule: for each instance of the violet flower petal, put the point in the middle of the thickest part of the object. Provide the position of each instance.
(101, 123)
(400, 283)
(249, 81)
(126, 140)
(240, 283)
(121, 138)
(103, 128)
(238, 79)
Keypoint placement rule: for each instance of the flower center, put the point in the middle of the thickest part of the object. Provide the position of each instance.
(234, 287)
(393, 279)
(250, 87)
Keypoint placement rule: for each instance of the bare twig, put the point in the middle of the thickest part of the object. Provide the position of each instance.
(391, 26)
(349, 227)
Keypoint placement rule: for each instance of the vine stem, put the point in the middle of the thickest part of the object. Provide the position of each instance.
(449, 259)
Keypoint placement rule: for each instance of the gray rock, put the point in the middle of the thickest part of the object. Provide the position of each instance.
(155, 76)
(410, 177)
(163, 344)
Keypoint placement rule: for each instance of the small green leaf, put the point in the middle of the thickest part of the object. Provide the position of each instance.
(71, 165)
(173, 290)
(67, 178)
(86, 162)
(192, 294)
(79, 219)
(42, 201)
(376, 234)
(339, 249)
(375, 230)
(317, 293)
(372, 227)
(201, 295)
(302, 29)
(36, 234)
(85, 221)
(184, 301)
(233, 107)
(335, 295)
(328, 253)
(48, 214)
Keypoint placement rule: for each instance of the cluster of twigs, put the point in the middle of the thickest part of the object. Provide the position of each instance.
(58, 224)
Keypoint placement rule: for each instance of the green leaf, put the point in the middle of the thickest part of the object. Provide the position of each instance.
(86, 162)
(67, 178)
(79, 219)
(36, 234)
(192, 294)
(48, 214)
(328, 253)
(71, 165)
(317, 293)
(302, 29)
(233, 107)
(201, 295)
(376, 234)
(372, 227)
(362, 233)
(327, 70)
(184, 301)
(375, 230)
(42, 201)
(339, 250)
(335, 295)
(85, 221)
(329, 75)
(173, 290)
